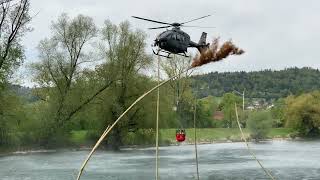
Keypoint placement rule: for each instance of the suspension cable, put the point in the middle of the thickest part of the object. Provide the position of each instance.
(157, 123)
(195, 138)
(248, 147)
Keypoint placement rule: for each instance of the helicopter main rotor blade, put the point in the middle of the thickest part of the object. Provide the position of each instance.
(151, 20)
(200, 26)
(196, 19)
(159, 27)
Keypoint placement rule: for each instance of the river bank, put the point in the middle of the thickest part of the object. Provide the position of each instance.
(79, 140)
(173, 143)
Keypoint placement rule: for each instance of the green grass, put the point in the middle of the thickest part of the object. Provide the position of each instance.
(78, 137)
(220, 134)
(203, 135)
(280, 132)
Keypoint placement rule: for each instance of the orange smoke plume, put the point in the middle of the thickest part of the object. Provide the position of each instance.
(215, 53)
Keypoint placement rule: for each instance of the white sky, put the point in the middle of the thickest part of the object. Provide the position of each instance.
(275, 34)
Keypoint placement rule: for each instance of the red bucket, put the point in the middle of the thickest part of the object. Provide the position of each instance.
(180, 135)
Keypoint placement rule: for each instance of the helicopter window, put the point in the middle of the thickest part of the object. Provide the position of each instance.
(180, 37)
(174, 36)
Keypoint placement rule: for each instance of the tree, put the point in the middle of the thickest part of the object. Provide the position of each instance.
(175, 67)
(206, 108)
(227, 106)
(303, 113)
(60, 75)
(14, 18)
(12, 115)
(259, 124)
(277, 112)
(125, 57)
(183, 99)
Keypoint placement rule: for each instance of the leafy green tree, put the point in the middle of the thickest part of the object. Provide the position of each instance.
(14, 19)
(182, 99)
(277, 112)
(124, 58)
(59, 73)
(206, 108)
(259, 124)
(12, 115)
(227, 105)
(303, 113)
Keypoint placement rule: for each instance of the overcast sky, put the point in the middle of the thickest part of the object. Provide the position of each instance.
(275, 34)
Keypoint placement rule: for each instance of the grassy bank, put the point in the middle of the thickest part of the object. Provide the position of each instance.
(205, 135)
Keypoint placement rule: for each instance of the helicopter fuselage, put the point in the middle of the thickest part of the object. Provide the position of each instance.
(174, 41)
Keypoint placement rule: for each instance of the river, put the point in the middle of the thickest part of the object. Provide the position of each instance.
(285, 160)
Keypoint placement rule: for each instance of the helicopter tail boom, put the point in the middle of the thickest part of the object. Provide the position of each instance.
(202, 45)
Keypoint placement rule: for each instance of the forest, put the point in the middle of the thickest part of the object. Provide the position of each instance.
(267, 84)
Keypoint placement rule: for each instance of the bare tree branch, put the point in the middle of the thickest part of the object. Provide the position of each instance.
(88, 101)
(13, 26)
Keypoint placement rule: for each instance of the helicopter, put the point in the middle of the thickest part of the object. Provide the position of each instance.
(176, 41)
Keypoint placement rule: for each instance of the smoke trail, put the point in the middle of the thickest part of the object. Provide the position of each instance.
(216, 53)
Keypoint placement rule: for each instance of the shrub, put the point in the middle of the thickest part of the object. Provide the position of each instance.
(302, 113)
(259, 124)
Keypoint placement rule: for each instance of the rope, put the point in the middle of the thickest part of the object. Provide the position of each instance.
(157, 123)
(248, 147)
(195, 138)
(124, 113)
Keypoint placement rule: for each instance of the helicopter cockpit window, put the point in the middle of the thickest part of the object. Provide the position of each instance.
(179, 37)
(174, 36)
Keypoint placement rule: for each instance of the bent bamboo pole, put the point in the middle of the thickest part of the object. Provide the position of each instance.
(109, 128)
(92, 151)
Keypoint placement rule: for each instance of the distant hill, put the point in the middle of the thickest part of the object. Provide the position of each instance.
(266, 84)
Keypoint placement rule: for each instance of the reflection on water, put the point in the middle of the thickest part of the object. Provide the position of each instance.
(285, 159)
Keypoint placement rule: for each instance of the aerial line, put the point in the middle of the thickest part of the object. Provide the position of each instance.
(248, 147)
(157, 123)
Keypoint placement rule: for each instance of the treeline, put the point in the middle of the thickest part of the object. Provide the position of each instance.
(299, 113)
(267, 84)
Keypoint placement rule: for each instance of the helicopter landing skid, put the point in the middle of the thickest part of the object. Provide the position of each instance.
(158, 53)
(168, 53)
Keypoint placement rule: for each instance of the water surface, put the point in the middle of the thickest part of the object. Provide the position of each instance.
(285, 159)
